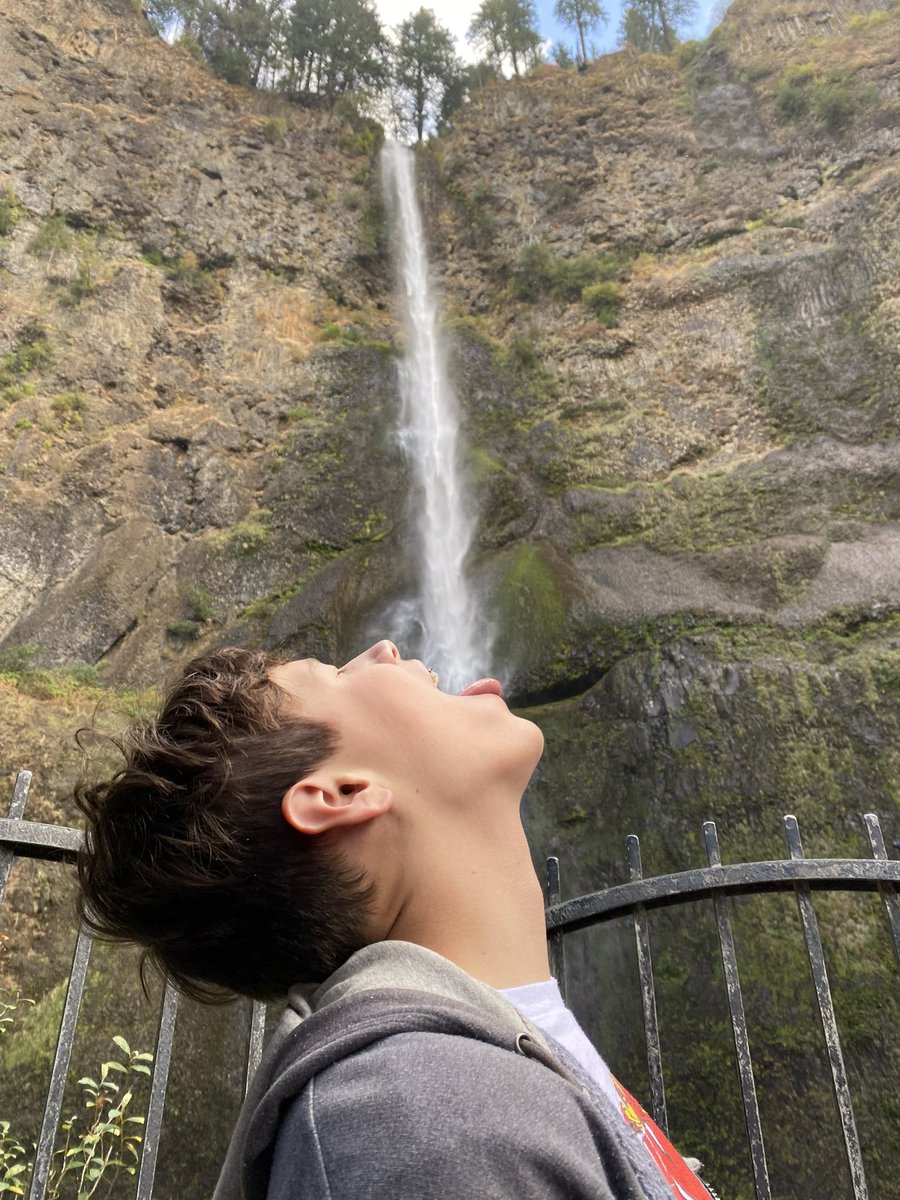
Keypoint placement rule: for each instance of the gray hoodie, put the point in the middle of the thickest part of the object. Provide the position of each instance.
(403, 1078)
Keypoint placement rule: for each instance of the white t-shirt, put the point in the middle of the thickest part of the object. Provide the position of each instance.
(542, 1004)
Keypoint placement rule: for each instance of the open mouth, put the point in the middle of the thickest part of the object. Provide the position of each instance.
(482, 687)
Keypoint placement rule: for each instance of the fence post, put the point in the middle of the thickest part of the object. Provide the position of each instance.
(161, 1058)
(556, 938)
(886, 891)
(648, 992)
(738, 1024)
(816, 956)
(15, 812)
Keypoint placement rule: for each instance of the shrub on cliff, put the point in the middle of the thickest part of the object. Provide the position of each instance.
(831, 99)
(538, 272)
(30, 352)
(10, 211)
(792, 96)
(604, 300)
(835, 99)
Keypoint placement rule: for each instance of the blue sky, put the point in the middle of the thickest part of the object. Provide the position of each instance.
(457, 17)
(606, 35)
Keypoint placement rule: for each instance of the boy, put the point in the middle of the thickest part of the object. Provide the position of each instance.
(351, 838)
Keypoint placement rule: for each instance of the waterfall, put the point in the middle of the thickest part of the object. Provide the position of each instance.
(442, 624)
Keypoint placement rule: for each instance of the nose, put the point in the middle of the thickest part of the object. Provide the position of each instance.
(384, 651)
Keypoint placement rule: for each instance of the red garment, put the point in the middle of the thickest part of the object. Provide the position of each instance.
(677, 1174)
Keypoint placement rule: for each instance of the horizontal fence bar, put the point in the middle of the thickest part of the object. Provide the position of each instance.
(837, 874)
(32, 839)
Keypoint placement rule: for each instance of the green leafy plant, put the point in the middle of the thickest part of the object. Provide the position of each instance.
(84, 283)
(103, 1141)
(99, 1144)
(863, 21)
(13, 661)
(190, 46)
(794, 91)
(9, 1008)
(13, 1162)
(17, 667)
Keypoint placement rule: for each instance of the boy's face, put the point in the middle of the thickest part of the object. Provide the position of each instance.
(392, 721)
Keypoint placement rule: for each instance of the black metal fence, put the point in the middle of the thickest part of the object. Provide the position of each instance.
(717, 880)
(802, 876)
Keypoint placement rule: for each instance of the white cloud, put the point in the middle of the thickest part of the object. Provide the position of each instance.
(453, 17)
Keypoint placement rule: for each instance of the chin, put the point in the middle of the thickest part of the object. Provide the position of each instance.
(532, 742)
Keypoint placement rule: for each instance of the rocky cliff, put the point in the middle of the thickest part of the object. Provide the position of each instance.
(671, 290)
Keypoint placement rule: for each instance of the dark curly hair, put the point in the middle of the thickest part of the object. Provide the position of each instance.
(187, 853)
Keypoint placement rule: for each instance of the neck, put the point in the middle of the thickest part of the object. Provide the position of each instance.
(486, 915)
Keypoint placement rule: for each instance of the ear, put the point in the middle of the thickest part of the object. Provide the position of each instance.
(317, 804)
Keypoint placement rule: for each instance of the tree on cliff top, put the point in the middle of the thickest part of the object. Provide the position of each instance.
(335, 46)
(653, 24)
(426, 66)
(581, 15)
(505, 29)
(240, 39)
(242, 43)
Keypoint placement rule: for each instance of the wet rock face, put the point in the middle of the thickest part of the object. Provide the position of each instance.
(739, 729)
(692, 458)
(176, 266)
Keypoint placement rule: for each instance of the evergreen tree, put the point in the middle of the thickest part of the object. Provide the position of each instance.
(581, 15)
(334, 47)
(244, 43)
(425, 67)
(305, 41)
(240, 39)
(506, 29)
(653, 24)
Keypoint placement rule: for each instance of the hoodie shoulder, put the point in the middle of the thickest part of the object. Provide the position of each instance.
(435, 1116)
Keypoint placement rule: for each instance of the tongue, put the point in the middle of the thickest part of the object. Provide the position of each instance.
(484, 687)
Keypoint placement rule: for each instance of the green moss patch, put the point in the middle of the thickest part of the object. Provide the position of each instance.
(30, 354)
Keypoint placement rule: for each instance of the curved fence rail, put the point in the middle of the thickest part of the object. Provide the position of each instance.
(20, 838)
